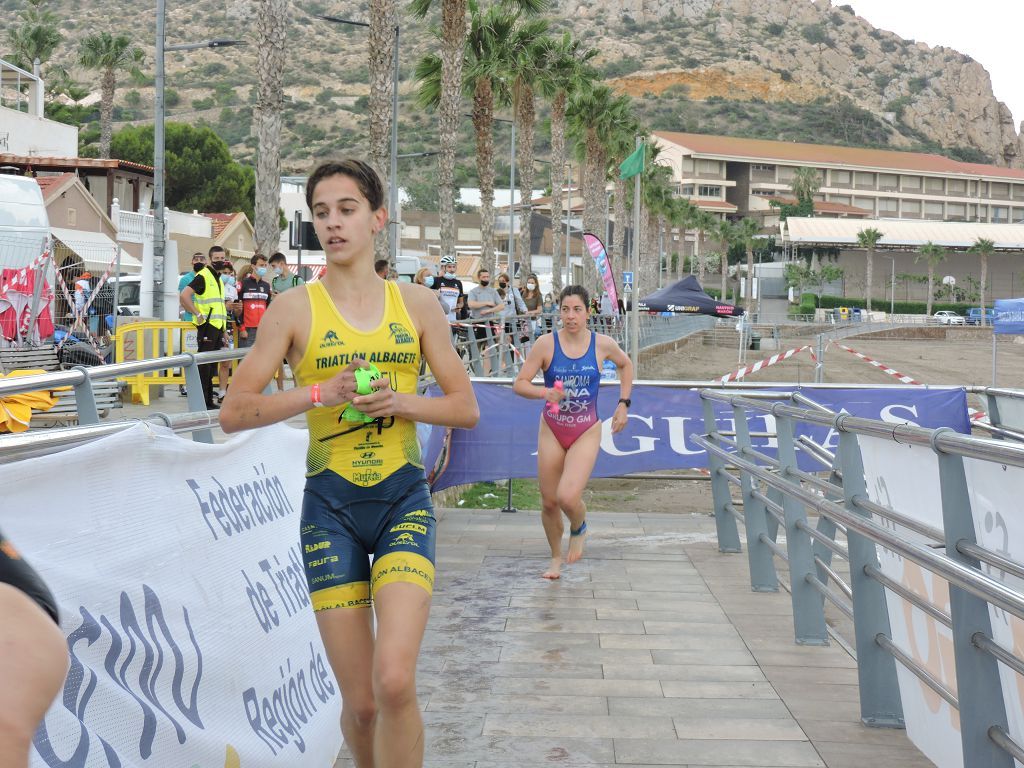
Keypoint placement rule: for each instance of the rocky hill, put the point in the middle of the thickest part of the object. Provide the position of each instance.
(787, 69)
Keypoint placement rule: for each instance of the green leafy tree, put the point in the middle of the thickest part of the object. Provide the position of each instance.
(36, 35)
(868, 239)
(110, 55)
(748, 232)
(805, 184)
(934, 254)
(201, 174)
(984, 248)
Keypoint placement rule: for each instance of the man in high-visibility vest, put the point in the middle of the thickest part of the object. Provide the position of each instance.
(204, 298)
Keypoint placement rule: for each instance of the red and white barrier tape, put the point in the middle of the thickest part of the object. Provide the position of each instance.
(761, 364)
(902, 377)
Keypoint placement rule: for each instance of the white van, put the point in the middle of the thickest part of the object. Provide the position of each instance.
(24, 226)
(128, 295)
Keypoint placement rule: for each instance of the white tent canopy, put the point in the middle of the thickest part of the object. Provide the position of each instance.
(96, 250)
(902, 233)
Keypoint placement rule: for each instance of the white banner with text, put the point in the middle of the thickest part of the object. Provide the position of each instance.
(177, 570)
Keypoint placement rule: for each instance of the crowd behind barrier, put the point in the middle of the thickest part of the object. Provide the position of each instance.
(928, 522)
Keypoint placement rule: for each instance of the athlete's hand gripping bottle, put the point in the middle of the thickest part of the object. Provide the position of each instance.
(553, 407)
(364, 386)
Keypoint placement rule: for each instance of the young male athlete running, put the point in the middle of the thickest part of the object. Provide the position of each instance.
(570, 430)
(33, 655)
(365, 489)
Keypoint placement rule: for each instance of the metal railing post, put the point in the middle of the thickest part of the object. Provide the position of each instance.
(196, 398)
(880, 702)
(475, 362)
(808, 610)
(725, 523)
(979, 690)
(763, 577)
(85, 399)
(992, 403)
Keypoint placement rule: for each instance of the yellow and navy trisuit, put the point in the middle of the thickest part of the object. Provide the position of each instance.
(365, 489)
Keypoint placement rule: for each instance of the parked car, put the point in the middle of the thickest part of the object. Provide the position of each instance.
(974, 316)
(947, 317)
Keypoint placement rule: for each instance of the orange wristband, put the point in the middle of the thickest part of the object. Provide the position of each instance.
(314, 396)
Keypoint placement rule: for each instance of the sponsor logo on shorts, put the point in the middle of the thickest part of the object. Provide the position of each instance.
(416, 527)
(310, 548)
(322, 561)
(400, 333)
(368, 463)
(405, 538)
(366, 477)
(417, 513)
(331, 339)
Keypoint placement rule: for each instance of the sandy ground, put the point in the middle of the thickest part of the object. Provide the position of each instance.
(966, 361)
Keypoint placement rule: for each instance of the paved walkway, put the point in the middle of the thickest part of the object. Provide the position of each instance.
(651, 651)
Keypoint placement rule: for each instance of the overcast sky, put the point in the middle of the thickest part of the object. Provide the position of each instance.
(989, 31)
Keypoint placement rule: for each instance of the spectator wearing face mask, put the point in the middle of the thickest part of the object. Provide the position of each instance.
(234, 307)
(281, 281)
(426, 277)
(255, 294)
(533, 300)
(449, 287)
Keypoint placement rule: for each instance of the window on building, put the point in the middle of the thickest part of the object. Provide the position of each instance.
(935, 186)
(472, 234)
(864, 180)
(72, 217)
(1017, 191)
(786, 173)
(710, 166)
(763, 168)
(434, 233)
(911, 207)
(956, 186)
(888, 206)
(956, 211)
(411, 231)
(933, 210)
(841, 199)
(910, 183)
(763, 192)
(867, 203)
(888, 181)
(1000, 214)
(840, 178)
(688, 190)
(687, 165)
(1000, 190)
(708, 190)
(1017, 215)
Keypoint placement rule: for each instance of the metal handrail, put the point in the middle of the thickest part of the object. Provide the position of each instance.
(829, 594)
(994, 559)
(843, 586)
(929, 531)
(943, 439)
(916, 600)
(970, 580)
(922, 674)
(1002, 740)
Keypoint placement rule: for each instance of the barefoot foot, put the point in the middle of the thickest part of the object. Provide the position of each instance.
(576, 540)
(554, 570)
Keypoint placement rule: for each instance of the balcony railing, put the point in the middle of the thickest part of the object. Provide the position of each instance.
(134, 227)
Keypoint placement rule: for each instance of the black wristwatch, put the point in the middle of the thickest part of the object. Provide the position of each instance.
(625, 401)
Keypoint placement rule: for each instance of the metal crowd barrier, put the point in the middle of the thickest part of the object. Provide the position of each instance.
(775, 493)
(1005, 411)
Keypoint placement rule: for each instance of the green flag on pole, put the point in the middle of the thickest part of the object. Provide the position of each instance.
(633, 164)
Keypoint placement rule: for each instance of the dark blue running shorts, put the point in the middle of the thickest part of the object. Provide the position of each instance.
(343, 524)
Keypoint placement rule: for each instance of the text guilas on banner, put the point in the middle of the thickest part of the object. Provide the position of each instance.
(179, 580)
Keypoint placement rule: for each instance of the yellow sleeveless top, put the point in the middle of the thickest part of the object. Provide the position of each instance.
(363, 454)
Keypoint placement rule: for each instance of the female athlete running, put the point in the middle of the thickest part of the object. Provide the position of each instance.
(570, 430)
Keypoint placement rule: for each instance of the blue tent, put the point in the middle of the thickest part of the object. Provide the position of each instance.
(686, 296)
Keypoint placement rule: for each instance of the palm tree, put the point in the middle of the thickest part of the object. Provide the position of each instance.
(381, 65)
(934, 254)
(482, 67)
(748, 231)
(593, 115)
(726, 232)
(984, 248)
(805, 184)
(702, 222)
(110, 55)
(453, 41)
(268, 119)
(37, 37)
(621, 143)
(868, 238)
(566, 70)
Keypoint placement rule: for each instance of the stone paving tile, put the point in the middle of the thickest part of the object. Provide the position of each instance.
(500, 669)
(810, 675)
(533, 625)
(690, 641)
(580, 726)
(577, 687)
(694, 673)
(793, 754)
(729, 727)
(698, 708)
(495, 704)
(685, 689)
(715, 656)
(704, 613)
(578, 655)
(845, 755)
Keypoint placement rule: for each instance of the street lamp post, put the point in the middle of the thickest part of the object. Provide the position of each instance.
(159, 227)
(393, 222)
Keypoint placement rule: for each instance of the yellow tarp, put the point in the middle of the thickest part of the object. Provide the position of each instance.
(16, 410)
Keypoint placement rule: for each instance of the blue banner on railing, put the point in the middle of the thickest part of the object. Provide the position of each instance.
(659, 435)
(1009, 316)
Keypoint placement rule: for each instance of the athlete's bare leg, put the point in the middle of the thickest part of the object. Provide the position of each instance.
(579, 463)
(33, 662)
(402, 613)
(348, 638)
(550, 460)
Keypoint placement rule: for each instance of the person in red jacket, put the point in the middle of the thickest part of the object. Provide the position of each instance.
(254, 293)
